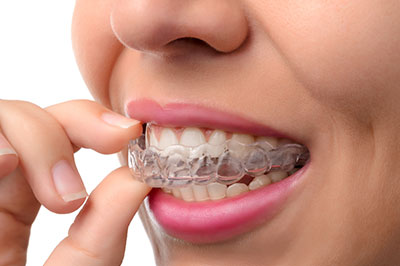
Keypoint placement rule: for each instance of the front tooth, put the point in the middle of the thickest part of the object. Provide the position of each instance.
(243, 138)
(259, 181)
(236, 189)
(216, 191)
(192, 137)
(167, 138)
(200, 193)
(277, 176)
(217, 140)
(187, 193)
(218, 137)
(238, 150)
(270, 140)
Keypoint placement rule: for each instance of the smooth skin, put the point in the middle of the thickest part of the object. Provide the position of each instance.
(26, 181)
(326, 72)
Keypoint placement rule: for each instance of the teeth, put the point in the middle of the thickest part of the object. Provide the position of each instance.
(152, 140)
(177, 193)
(259, 181)
(271, 140)
(238, 149)
(216, 191)
(192, 137)
(167, 138)
(243, 138)
(236, 189)
(187, 193)
(277, 176)
(217, 139)
(200, 193)
(167, 190)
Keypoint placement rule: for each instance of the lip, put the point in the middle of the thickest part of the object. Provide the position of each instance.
(215, 221)
(184, 114)
(212, 221)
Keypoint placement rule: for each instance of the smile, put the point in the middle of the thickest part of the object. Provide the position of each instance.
(216, 184)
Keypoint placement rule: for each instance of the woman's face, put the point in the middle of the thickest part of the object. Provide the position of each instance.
(323, 73)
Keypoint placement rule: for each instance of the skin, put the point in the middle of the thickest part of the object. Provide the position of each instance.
(326, 73)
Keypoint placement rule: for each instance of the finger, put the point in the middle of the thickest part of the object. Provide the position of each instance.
(8, 157)
(98, 235)
(45, 154)
(43, 144)
(90, 125)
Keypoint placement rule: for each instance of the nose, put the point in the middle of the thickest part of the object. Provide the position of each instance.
(152, 25)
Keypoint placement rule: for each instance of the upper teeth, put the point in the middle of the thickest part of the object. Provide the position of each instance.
(184, 161)
(193, 137)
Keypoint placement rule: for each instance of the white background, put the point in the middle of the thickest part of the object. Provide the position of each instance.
(37, 65)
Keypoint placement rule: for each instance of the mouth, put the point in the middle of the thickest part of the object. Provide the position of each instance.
(230, 196)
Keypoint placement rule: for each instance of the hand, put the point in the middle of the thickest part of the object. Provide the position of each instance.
(37, 165)
(98, 235)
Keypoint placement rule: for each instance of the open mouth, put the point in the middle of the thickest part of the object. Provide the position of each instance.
(216, 175)
(199, 164)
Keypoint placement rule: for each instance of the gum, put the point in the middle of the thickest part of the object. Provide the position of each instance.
(180, 166)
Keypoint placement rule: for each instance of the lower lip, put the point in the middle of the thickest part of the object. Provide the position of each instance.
(214, 221)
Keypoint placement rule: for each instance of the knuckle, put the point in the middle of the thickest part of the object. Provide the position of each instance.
(78, 248)
(17, 104)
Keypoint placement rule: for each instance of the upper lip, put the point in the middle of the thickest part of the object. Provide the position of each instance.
(188, 114)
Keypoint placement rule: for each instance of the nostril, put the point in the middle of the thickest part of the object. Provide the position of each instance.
(188, 42)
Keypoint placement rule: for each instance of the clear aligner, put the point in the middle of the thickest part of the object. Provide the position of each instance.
(179, 166)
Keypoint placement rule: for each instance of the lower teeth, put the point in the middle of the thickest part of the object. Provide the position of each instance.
(217, 191)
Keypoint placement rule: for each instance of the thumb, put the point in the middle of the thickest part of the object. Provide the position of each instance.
(98, 235)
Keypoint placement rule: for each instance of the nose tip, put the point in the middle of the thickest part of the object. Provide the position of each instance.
(150, 25)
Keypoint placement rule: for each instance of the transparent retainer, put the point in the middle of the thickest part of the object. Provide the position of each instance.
(180, 166)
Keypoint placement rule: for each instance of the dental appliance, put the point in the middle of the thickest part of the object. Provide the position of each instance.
(179, 165)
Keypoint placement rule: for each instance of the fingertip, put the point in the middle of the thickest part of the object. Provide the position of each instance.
(112, 139)
(8, 157)
(122, 179)
(91, 125)
(115, 119)
(63, 192)
(8, 162)
(60, 206)
(68, 185)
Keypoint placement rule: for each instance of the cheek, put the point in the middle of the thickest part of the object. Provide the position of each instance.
(95, 46)
(346, 53)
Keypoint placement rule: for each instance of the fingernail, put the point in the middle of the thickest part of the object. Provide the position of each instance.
(7, 151)
(67, 182)
(5, 147)
(118, 120)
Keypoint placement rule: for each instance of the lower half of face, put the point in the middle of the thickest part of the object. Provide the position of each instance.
(323, 74)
